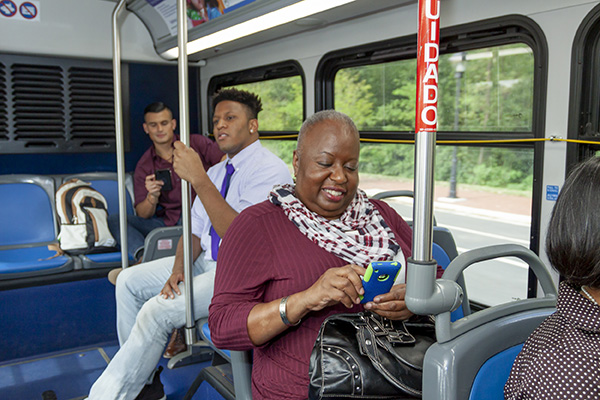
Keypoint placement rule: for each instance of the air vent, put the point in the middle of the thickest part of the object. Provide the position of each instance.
(3, 104)
(38, 101)
(56, 105)
(92, 104)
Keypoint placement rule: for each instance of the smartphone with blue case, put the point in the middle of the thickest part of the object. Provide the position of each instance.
(379, 278)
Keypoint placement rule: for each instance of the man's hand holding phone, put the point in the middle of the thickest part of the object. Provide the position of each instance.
(164, 176)
(153, 187)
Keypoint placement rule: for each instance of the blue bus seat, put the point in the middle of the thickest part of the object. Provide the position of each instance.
(493, 374)
(452, 370)
(443, 238)
(443, 260)
(28, 215)
(107, 184)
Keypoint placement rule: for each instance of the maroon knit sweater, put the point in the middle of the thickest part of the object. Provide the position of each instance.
(264, 257)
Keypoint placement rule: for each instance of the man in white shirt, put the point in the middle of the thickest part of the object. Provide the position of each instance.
(148, 309)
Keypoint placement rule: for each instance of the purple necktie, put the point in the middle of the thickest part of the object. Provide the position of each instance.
(215, 239)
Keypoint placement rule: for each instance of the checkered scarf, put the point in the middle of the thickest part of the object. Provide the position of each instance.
(359, 236)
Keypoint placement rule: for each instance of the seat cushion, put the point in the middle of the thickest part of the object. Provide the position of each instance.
(30, 259)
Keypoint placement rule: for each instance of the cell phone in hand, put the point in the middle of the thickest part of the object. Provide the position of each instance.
(379, 279)
(165, 176)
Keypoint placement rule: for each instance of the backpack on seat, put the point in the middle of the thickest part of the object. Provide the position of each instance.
(83, 219)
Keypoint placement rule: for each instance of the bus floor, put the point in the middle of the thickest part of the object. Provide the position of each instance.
(71, 373)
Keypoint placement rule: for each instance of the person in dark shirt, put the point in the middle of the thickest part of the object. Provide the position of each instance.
(156, 206)
(561, 358)
(289, 262)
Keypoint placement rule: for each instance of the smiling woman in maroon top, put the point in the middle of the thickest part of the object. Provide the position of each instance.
(291, 261)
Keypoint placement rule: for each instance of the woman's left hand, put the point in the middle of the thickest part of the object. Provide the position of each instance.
(391, 305)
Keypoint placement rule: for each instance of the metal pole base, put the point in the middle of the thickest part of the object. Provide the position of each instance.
(196, 353)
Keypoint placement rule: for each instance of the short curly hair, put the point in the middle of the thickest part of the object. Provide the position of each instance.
(250, 100)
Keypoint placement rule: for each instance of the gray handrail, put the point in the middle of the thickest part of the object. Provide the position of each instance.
(120, 150)
(184, 134)
(397, 193)
(447, 330)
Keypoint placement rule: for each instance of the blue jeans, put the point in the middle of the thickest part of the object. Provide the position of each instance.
(145, 321)
(137, 230)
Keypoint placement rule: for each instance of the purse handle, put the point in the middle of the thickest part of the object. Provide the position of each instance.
(447, 330)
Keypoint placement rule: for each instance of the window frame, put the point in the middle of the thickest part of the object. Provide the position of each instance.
(491, 32)
(284, 69)
(486, 33)
(584, 118)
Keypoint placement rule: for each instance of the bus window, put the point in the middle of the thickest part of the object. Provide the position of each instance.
(482, 194)
(282, 103)
(483, 90)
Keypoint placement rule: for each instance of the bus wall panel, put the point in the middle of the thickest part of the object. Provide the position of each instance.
(147, 83)
(80, 28)
(44, 319)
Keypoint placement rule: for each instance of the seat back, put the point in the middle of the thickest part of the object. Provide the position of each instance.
(443, 238)
(452, 369)
(161, 242)
(28, 215)
(493, 374)
(27, 210)
(443, 260)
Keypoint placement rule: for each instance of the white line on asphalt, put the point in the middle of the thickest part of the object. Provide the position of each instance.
(517, 263)
(492, 235)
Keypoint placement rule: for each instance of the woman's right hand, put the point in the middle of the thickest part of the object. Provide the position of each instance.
(336, 285)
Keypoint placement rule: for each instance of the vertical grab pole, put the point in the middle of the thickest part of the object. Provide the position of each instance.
(425, 128)
(119, 131)
(423, 294)
(184, 132)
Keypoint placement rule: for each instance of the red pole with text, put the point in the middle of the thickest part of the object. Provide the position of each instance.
(427, 65)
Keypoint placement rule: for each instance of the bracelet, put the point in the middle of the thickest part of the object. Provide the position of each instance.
(283, 312)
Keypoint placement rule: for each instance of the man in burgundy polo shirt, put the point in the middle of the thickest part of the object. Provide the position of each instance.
(158, 205)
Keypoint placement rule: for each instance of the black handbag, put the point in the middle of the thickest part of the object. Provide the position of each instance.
(366, 356)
